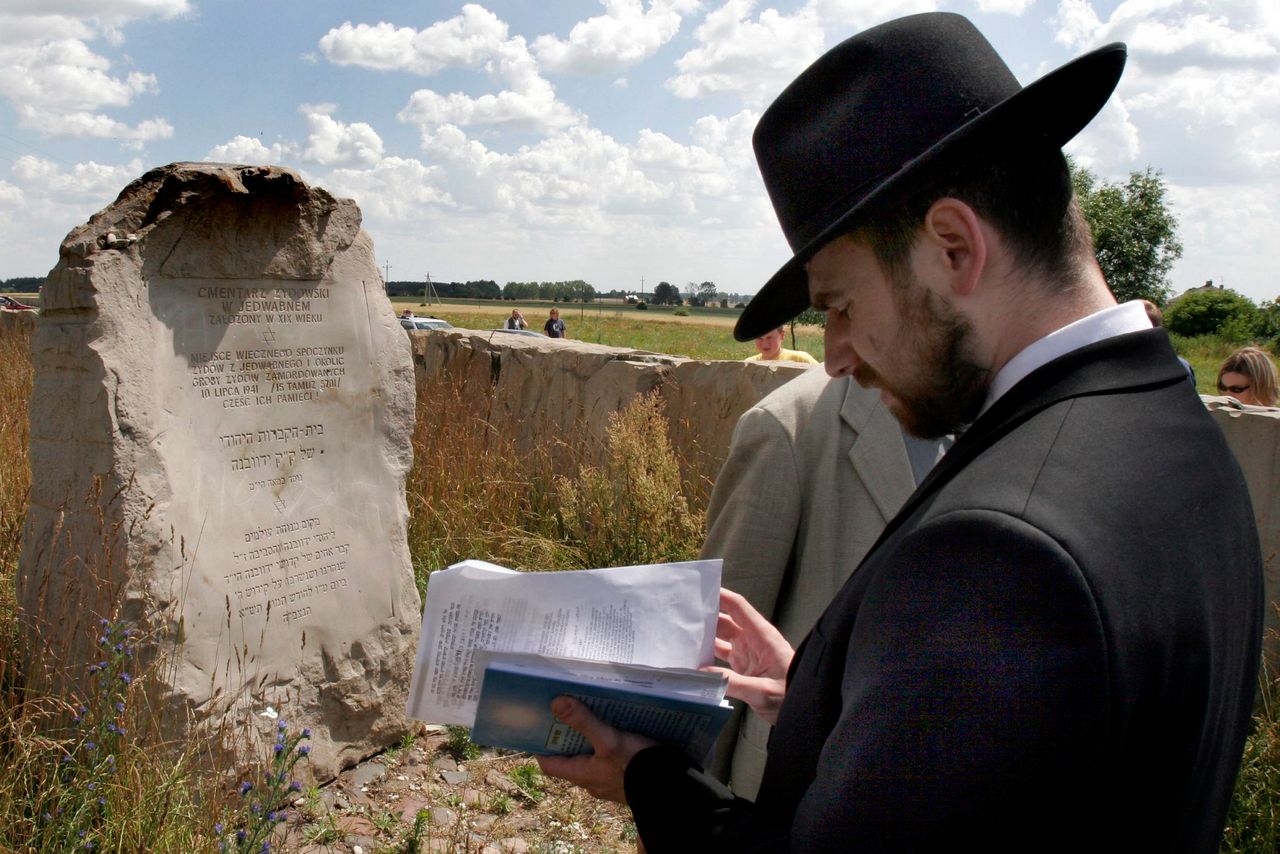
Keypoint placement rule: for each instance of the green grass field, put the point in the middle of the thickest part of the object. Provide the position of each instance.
(706, 333)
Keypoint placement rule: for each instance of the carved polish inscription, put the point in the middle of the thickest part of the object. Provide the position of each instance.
(262, 379)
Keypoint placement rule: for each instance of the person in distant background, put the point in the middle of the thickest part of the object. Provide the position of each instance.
(554, 327)
(771, 350)
(1249, 376)
(516, 320)
(1156, 316)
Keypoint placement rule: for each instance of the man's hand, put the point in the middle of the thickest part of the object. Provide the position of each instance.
(757, 653)
(600, 773)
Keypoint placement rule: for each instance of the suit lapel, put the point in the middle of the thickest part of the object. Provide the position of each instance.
(877, 453)
(1121, 362)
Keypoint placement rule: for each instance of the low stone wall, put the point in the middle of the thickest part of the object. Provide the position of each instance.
(17, 321)
(1254, 435)
(549, 387)
(545, 388)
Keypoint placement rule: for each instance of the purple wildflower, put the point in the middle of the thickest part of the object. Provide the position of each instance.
(245, 787)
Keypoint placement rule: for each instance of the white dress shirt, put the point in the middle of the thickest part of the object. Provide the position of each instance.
(1099, 326)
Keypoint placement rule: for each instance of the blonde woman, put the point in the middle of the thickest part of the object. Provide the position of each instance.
(1249, 376)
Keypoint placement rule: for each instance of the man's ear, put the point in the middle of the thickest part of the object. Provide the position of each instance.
(954, 233)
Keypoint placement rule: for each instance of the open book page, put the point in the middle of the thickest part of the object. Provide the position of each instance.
(662, 615)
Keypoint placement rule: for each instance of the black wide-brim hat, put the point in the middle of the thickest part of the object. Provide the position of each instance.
(884, 112)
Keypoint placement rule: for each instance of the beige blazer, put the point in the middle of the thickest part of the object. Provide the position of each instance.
(815, 471)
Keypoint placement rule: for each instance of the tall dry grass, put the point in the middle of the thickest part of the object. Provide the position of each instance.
(87, 765)
(1253, 821)
(473, 493)
(15, 477)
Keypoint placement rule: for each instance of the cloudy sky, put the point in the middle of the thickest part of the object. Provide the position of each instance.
(607, 140)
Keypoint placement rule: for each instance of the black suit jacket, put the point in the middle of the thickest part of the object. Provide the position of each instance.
(1053, 646)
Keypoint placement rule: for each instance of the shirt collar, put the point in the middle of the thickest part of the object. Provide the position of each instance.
(1099, 326)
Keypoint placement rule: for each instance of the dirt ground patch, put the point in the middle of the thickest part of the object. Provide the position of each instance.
(492, 803)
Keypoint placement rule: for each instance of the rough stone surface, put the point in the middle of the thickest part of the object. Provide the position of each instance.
(550, 387)
(220, 434)
(1253, 433)
(367, 773)
(17, 321)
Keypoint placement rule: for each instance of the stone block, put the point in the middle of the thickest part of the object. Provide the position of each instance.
(1253, 432)
(221, 419)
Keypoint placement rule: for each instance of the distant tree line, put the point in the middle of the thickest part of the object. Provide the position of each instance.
(21, 284)
(573, 291)
(1223, 312)
(480, 289)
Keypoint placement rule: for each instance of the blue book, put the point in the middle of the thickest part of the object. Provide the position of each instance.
(677, 706)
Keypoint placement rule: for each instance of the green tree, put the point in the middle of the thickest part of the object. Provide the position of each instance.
(811, 317)
(1135, 236)
(665, 294)
(707, 292)
(1213, 311)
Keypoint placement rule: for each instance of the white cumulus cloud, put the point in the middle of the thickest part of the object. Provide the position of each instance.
(1200, 80)
(469, 40)
(754, 58)
(625, 34)
(250, 150)
(843, 18)
(475, 40)
(58, 85)
(1007, 7)
(334, 143)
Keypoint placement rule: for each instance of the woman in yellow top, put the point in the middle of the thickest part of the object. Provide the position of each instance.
(771, 350)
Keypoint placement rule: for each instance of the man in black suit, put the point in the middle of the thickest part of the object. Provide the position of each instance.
(1053, 646)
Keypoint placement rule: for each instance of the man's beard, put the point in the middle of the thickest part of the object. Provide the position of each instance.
(949, 387)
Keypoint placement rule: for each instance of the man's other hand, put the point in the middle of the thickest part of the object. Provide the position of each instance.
(601, 772)
(757, 654)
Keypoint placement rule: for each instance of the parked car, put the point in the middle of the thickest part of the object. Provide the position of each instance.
(13, 305)
(425, 323)
(526, 332)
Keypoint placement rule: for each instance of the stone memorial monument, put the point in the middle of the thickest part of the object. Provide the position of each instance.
(221, 424)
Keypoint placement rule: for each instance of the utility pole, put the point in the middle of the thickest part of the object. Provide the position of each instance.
(386, 278)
